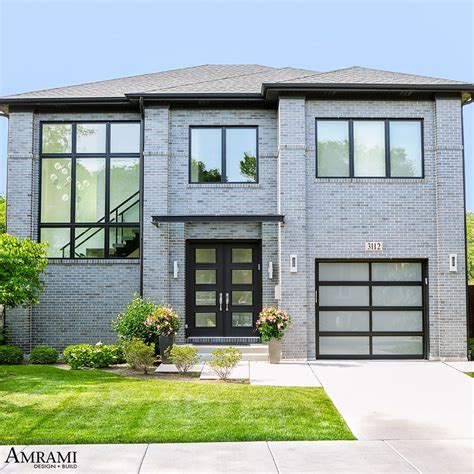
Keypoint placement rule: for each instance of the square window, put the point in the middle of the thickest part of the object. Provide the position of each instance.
(90, 137)
(125, 137)
(56, 138)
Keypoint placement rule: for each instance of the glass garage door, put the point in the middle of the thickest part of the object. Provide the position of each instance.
(370, 309)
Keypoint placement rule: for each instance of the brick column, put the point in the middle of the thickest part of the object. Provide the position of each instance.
(451, 286)
(20, 207)
(292, 234)
(156, 202)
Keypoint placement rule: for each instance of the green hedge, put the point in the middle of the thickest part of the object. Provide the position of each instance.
(43, 355)
(87, 355)
(10, 355)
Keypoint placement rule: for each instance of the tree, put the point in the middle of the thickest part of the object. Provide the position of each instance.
(3, 211)
(22, 263)
(470, 246)
(248, 166)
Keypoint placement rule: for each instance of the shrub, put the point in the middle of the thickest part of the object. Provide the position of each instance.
(43, 355)
(139, 355)
(183, 357)
(87, 355)
(117, 353)
(163, 321)
(131, 323)
(10, 355)
(224, 360)
(471, 346)
(272, 323)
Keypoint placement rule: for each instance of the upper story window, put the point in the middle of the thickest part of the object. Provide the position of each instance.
(362, 148)
(223, 155)
(90, 189)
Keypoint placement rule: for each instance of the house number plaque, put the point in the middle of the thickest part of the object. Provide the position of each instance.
(373, 246)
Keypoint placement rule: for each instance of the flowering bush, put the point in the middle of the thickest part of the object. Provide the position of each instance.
(272, 323)
(163, 321)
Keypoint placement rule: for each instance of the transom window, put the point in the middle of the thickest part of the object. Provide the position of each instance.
(90, 189)
(223, 154)
(365, 148)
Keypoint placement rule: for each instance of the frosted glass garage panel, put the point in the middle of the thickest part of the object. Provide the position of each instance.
(397, 321)
(397, 296)
(343, 296)
(343, 271)
(397, 345)
(344, 345)
(400, 271)
(343, 321)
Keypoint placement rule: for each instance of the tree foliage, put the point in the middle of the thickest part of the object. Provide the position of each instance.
(470, 245)
(3, 215)
(22, 263)
(248, 166)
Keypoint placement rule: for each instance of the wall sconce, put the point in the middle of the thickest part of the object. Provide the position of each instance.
(293, 263)
(270, 270)
(175, 269)
(453, 262)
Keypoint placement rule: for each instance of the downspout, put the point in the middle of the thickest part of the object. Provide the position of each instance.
(142, 187)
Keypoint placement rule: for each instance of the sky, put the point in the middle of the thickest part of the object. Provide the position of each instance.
(47, 44)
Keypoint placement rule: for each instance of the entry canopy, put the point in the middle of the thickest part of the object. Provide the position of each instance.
(219, 218)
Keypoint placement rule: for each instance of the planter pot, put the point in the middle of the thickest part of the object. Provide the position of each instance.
(274, 350)
(165, 343)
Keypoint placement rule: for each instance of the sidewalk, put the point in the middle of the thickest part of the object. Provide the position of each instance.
(432, 456)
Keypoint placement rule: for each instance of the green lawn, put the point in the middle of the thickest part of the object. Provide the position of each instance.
(47, 405)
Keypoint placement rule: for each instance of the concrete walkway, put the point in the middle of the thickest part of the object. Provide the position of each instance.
(440, 456)
(396, 400)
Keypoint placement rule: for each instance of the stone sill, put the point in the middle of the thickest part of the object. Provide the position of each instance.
(372, 180)
(222, 185)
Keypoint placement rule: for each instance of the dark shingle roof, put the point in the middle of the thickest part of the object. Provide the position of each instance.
(222, 79)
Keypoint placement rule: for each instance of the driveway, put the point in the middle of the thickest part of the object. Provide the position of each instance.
(400, 400)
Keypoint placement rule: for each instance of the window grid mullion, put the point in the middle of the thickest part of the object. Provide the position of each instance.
(351, 148)
(388, 172)
(223, 155)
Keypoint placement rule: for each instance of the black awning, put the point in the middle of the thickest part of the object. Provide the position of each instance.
(219, 218)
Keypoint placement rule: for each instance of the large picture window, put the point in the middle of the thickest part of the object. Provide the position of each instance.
(363, 148)
(90, 189)
(223, 155)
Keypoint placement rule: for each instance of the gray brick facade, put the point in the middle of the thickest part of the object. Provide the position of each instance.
(324, 218)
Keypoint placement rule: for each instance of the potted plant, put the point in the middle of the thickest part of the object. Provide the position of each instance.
(271, 324)
(164, 322)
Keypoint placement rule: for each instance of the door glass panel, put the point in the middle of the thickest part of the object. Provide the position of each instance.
(369, 148)
(397, 345)
(242, 320)
(205, 298)
(400, 271)
(396, 296)
(344, 272)
(205, 255)
(242, 277)
(205, 320)
(397, 321)
(205, 277)
(242, 298)
(343, 345)
(90, 138)
(343, 295)
(343, 320)
(241, 255)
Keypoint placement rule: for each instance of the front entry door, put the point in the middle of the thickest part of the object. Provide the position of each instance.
(223, 289)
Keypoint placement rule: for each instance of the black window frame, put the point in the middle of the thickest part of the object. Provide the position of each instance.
(386, 121)
(423, 283)
(223, 129)
(73, 156)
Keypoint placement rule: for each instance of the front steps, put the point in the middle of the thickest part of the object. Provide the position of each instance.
(254, 352)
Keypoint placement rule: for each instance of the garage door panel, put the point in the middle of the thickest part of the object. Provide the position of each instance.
(344, 296)
(344, 321)
(397, 296)
(397, 345)
(334, 345)
(370, 309)
(397, 321)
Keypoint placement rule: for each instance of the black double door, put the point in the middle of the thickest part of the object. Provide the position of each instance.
(223, 288)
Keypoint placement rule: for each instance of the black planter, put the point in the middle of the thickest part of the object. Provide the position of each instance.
(165, 343)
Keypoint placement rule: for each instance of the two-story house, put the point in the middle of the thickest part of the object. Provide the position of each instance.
(219, 189)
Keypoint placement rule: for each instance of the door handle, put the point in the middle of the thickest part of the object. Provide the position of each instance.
(227, 301)
(220, 301)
